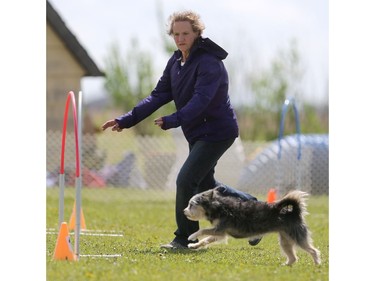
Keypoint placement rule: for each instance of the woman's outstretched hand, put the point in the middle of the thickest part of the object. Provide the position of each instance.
(111, 123)
(159, 122)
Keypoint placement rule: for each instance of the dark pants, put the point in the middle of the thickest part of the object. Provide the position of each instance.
(195, 176)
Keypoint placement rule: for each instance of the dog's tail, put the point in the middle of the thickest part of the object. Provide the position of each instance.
(292, 210)
(293, 204)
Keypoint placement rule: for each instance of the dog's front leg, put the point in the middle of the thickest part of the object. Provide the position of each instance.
(204, 242)
(195, 235)
(213, 236)
(205, 232)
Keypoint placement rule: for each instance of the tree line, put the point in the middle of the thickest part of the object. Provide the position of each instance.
(130, 78)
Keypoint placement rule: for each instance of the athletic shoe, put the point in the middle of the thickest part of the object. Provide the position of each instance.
(255, 241)
(174, 245)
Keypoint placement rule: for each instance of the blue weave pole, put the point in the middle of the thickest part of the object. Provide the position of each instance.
(287, 102)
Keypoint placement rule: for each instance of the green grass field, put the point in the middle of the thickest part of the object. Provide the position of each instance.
(146, 220)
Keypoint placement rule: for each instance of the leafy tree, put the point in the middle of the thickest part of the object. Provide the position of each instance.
(169, 46)
(117, 79)
(129, 79)
(270, 87)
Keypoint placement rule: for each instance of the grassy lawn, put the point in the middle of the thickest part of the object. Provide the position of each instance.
(146, 220)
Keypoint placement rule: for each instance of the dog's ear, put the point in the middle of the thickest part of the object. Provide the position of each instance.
(217, 191)
(205, 196)
(221, 189)
(209, 193)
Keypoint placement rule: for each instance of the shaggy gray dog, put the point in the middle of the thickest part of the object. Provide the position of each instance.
(248, 219)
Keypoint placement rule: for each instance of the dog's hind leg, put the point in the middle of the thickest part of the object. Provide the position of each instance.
(308, 247)
(287, 245)
(206, 241)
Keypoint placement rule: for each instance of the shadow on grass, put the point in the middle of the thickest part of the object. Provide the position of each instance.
(159, 251)
(183, 251)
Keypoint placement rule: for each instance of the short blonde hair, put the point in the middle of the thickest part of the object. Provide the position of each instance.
(190, 16)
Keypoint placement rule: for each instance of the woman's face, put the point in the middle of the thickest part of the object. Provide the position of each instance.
(184, 36)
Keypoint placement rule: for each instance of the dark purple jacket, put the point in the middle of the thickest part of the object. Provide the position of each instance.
(199, 90)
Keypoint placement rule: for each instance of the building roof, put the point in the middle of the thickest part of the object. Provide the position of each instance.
(71, 42)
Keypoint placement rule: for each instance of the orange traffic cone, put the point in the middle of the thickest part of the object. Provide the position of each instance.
(72, 221)
(63, 249)
(271, 196)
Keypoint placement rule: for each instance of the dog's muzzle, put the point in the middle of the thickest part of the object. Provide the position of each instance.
(186, 212)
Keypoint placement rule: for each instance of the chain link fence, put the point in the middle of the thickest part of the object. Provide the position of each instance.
(285, 171)
(125, 160)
